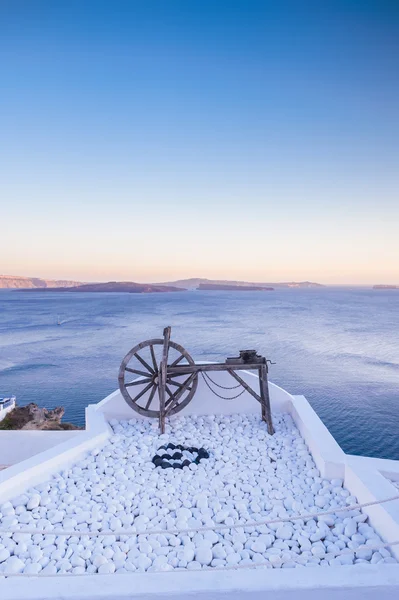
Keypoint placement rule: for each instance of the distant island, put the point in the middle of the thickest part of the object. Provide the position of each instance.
(239, 288)
(195, 283)
(385, 287)
(14, 282)
(112, 286)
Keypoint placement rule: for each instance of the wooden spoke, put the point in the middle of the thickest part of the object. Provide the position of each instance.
(144, 363)
(144, 391)
(138, 382)
(176, 362)
(154, 360)
(177, 384)
(136, 372)
(154, 389)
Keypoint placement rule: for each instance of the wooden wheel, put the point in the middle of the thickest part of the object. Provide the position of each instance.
(142, 393)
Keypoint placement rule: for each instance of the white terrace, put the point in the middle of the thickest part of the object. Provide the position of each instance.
(103, 480)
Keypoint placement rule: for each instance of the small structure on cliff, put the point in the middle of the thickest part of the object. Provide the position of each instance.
(6, 406)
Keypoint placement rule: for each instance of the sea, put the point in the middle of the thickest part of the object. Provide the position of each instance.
(337, 346)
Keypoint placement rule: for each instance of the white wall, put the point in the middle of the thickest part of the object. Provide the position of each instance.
(16, 446)
(204, 402)
(327, 454)
(366, 478)
(40, 467)
(372, 582)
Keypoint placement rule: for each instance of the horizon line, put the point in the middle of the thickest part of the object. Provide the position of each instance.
(181, 279)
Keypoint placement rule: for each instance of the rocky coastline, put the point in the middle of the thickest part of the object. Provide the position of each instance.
(32, 417)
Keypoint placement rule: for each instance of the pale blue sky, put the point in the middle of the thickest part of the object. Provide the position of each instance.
(150, 140)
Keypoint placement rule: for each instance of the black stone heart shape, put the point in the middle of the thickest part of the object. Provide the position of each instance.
(176, 459)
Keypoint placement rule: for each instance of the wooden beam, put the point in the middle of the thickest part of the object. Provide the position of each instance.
(187, 369)
(177, 395)
(245, 385)
(162, 378)
(264, 392)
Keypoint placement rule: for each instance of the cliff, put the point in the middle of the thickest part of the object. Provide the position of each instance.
(194, 283)
(14, 282)
(114, 286)
(33, 417)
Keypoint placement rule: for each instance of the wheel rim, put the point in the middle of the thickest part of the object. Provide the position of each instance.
(141, 393)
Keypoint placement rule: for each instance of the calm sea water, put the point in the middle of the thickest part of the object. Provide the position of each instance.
(338, 347)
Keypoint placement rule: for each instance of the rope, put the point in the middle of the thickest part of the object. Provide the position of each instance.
(207, 568)
(218, 395)
(233, 387)
(128, 533)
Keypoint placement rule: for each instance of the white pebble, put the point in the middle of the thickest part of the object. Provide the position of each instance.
(203, 555)
(249, 476)
(4, 554)
(106, 568)
(284, 532)
(13, 565)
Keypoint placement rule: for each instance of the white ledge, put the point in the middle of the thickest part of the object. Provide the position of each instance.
(314, 583)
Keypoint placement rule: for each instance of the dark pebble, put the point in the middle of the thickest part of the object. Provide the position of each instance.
(177, 466)
(177, 455)
(186, 463)
(162, 448)
(192, 449)
(157, 462)
(171, 446)
(203, 453)
(180, 447)
(155, 458)
(167, 456)
(166, 465)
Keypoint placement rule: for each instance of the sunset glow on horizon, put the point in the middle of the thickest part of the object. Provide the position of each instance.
(159, 141)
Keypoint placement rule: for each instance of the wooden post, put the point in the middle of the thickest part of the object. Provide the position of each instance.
(265, 398)
(162, 378)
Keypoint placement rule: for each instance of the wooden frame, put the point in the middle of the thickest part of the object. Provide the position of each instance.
(164, 376)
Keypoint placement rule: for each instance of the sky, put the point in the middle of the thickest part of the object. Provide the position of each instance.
(150, 140)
